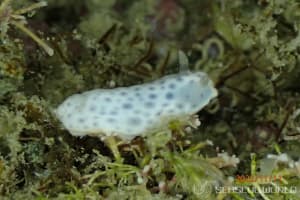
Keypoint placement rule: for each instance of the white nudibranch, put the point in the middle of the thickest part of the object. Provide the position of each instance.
(127, 112)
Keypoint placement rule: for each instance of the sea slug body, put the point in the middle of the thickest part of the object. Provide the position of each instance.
(127, 112)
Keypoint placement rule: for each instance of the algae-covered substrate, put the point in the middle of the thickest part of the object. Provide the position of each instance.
(248, 143)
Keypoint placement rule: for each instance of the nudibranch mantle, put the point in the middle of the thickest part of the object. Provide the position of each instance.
(127, 112)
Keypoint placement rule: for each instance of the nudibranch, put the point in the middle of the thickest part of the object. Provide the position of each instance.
(137, 110)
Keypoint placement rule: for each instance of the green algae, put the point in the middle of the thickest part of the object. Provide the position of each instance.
(249, 48)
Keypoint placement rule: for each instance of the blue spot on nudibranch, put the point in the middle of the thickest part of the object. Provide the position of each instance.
(95, 98)
(95, 124)
(165, 105)
(194, 105)
(150, 121)
(127, 106)
(172, 86)
(171, 111)
(187, 96)
(123, 93)
(92, 108)
(180, 106)
(151, 88)
(152, 96)
(137, 94)
(111, 120)
(102, 113)
(134, 121)
(149, 104)
(137, 111)
(191, 81)
(113, 112)
(169, 96)
(179, 79)
(162, 81)
(137, 88)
